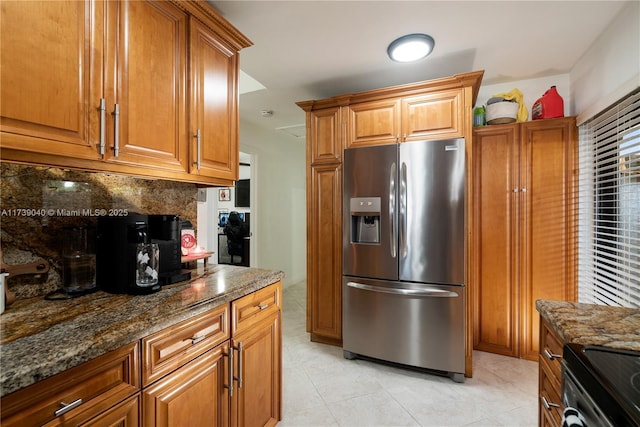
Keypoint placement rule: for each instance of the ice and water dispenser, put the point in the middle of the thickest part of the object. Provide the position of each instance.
(365, 220)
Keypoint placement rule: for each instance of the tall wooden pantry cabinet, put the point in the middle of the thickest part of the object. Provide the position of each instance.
(433, 109)
(524, 229)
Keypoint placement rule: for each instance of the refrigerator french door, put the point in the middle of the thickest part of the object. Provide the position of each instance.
(404, 254)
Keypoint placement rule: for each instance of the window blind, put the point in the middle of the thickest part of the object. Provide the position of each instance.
(609, 206)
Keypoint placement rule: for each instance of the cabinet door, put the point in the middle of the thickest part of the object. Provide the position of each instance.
(496, 182)
(433, 116)
(50, 84)
(147, 84)
(547, 237)
(193, 395)
(214, 122)
(325, 136)
(373, 123)
(324, 253)
(257, 396)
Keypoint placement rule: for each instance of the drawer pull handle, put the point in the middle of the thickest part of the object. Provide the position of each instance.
(263, 306)
(551, 356)
(548, 405)
(197, 339)
(66, 407)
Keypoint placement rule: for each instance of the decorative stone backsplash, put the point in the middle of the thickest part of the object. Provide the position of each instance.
(38, 203)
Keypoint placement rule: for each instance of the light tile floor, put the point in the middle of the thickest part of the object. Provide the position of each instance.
(321, 388)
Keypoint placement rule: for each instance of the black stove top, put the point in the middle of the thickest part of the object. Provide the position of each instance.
(611, 377)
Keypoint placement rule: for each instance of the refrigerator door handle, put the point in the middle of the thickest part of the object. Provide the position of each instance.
(425, 292)
(392, 211)
(402, 220)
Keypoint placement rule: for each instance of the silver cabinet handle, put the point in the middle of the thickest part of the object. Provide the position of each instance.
(392, 211)
(548, 405)
(230, 372)
(102, 108)
(263, 306)
(240, 365)
(66, 407)
(551, 356)
(197, 339)
(425, 292)
(116, 130)
(198, 148)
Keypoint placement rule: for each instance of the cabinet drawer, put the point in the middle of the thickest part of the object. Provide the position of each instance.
(87, 389)
(249, 310)
(550, 404)
(171, 348)
(551, 350)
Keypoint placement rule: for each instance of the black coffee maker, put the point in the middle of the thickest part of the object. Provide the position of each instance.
(117, 239)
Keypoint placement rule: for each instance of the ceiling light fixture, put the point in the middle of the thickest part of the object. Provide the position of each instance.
(411, 47)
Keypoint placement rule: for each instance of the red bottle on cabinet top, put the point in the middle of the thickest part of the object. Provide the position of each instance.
(549, 106)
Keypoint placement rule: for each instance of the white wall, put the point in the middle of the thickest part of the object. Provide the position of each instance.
(279, 216)
(610, 68)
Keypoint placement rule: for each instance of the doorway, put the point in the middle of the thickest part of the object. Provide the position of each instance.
(221, 201)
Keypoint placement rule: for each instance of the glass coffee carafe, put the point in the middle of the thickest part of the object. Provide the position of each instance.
(79, 260)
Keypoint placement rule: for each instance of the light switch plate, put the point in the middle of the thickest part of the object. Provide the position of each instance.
(202, 194)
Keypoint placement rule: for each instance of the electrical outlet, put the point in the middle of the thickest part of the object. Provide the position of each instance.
(202, 194)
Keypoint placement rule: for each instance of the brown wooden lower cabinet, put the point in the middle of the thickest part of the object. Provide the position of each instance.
(550, 378)
(237, 383)
(256, 400)
(79, 395)
(220, 368)
(256, 336)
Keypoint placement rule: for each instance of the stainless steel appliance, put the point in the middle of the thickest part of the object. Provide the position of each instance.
(117, 241)
(404, 254)
(600, 386)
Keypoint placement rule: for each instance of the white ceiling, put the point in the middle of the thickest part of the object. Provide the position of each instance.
(317, 49)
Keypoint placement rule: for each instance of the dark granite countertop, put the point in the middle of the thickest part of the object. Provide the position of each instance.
(615, 327)
(40, 338)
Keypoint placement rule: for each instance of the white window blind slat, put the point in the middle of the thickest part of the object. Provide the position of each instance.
(609, 206)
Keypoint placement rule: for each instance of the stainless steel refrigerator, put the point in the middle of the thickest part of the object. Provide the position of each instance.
(404, 254)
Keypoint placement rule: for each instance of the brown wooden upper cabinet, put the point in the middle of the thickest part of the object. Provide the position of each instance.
(214, 115)
(324, 130)
(427, 116)
(104, 86)
(145, 85)
(50, 92)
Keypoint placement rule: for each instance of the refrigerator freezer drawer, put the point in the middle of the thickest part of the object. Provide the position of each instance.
(419, 325)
